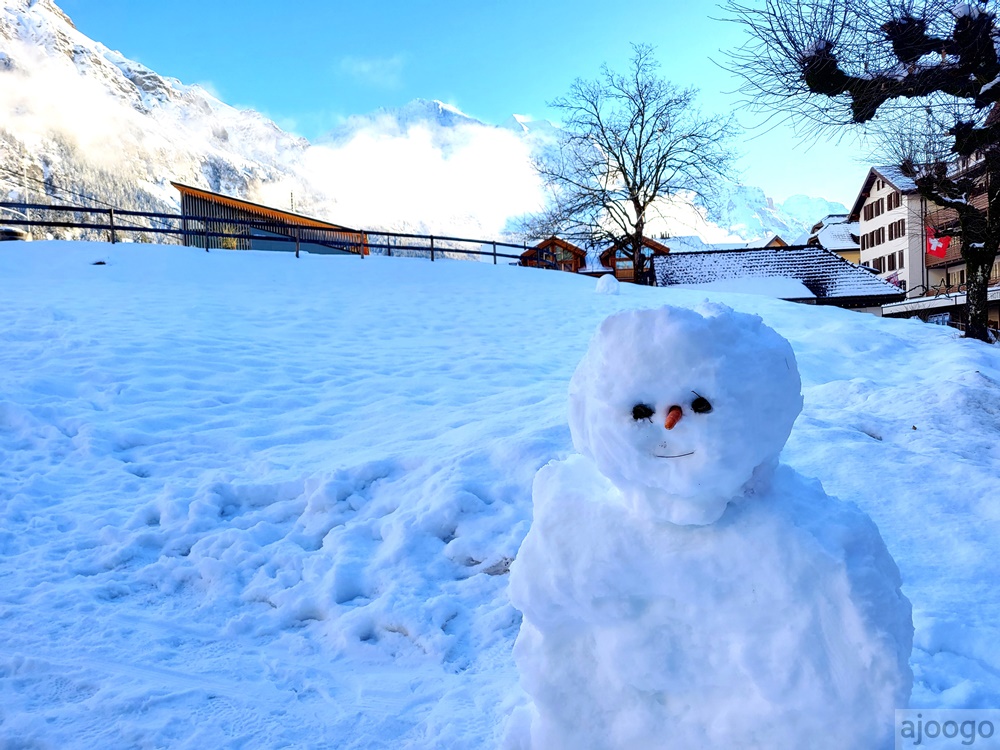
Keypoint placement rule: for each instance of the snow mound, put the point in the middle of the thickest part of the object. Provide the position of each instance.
(608, 284)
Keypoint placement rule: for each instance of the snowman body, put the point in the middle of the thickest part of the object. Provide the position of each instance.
(670, 601)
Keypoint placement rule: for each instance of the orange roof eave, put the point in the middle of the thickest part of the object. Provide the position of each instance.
(286, 217)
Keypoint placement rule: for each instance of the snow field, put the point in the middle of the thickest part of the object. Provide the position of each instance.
(252, 501)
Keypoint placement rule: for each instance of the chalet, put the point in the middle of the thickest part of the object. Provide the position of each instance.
(555, 253)
(838, 233)
(215, 221)
(810, 275)
(618, 258)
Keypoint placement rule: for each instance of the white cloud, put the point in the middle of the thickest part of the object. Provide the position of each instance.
(469, 179)
(380, 72)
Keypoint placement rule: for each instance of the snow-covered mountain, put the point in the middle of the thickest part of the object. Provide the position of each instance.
(82, 123)
(750, 214)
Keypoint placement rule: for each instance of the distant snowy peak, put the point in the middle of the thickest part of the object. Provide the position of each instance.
(750, 214)
(525, 125)
(397, 120)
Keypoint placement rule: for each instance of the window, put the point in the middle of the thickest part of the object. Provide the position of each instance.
(961, 277)
(899, 260)
(873, 238)
(897, 229)
(891, 262)
(902, 284)
(893, 200)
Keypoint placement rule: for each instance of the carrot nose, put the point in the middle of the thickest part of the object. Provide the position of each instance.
(674, 414)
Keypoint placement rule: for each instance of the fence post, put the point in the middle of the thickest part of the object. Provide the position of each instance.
(205, 229)
(432, 248)
(494, 252)
(111, 219)
(388, 247)
(296, 242)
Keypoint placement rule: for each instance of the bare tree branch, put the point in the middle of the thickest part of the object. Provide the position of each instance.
(923, 76)
(629, 139)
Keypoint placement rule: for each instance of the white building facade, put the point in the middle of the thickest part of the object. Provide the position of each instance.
(890, 216)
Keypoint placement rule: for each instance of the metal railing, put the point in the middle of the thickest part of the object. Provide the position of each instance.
(120, 225)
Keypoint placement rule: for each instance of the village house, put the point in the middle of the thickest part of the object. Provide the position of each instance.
(555, 253)
(904, 238)
(836, 232)
(890, 215)
(618, 259)
(216, 221)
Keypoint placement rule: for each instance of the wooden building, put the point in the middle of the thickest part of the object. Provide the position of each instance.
(555, 253)
(618, 258)
(215, 221)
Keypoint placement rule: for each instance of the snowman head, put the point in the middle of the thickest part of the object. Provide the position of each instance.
(680, 409)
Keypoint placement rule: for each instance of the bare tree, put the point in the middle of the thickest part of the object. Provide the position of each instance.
(885, 65)
(628, 140)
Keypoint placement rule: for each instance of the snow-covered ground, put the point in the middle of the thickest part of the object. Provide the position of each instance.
(253, 501)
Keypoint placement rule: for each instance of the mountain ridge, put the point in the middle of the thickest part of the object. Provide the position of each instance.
(89, 122)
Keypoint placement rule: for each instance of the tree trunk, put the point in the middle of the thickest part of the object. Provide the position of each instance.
(638, 259)
(978, 267)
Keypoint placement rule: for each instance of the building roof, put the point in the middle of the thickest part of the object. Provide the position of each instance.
(555, 242)
(285, 217)
(647, 242)
(833, 232)
(692, 243)
(824, 273)
(891, 174)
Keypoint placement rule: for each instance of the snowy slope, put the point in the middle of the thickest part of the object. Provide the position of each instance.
(252, 501)
(83, 122)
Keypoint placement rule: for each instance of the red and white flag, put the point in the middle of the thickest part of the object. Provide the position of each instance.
(937, 246)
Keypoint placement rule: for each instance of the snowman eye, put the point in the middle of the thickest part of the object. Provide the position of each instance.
(642, 411)
(701, 405)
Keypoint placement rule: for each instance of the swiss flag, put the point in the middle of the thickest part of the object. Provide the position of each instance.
(937, 246)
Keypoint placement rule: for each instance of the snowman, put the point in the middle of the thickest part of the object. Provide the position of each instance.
(680, 588)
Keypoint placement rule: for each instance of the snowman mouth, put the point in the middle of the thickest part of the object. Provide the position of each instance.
(679, 455)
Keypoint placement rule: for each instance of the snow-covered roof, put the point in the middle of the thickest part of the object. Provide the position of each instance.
(891, 174)
(695, 244)
(778, 287)
(894, 175)
(824, 273)
(833, 232)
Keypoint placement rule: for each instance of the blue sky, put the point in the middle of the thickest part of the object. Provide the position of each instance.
(310, 63)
